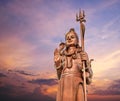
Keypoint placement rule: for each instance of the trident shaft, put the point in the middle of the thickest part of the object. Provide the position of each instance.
(81, 19)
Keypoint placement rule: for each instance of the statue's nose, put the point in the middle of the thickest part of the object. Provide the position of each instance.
(69, 38)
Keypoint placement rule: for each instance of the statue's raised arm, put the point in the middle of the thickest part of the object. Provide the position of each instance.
(59, 59)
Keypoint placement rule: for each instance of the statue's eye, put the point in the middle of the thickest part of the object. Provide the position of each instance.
(72, 36)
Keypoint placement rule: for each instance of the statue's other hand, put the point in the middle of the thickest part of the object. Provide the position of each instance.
(57, 57)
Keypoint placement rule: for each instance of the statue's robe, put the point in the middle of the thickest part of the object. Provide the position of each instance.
(70, 87)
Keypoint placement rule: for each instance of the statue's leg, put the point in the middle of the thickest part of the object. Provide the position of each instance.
(80, 94)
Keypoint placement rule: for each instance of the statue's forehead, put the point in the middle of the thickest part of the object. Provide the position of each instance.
(71, 33)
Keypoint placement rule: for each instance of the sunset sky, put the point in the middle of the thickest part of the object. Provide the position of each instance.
(30, 30)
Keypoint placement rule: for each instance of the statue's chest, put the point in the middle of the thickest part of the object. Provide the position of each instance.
(73, 62)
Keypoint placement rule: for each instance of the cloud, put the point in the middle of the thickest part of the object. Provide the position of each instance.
(114, 73)
(16, 87)
(26, 36)
(35, 96)
(47, 86)
(112, 89)
(49, 82)
(36, 30)
(24, 73)
(107, 63)
(17, 55)
(2, 75)
(103, 98)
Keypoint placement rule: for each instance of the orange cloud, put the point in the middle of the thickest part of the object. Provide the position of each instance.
(14, 52)
(103, 98)
(49, 90)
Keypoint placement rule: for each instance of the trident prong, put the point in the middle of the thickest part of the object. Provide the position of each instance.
(77, 18)
(81, 16)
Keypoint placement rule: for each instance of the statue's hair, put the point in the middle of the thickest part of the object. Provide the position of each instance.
(62, 43)
(72, 30)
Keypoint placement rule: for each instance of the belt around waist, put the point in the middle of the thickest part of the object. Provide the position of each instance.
(71, 74)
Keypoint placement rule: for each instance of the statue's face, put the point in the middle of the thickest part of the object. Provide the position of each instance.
(71, 39)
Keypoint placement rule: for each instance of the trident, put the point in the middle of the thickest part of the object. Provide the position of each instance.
(81, 19)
